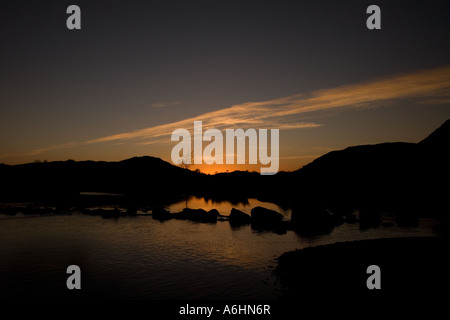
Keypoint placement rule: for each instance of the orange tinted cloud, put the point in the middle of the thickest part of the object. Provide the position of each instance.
(277, 113)
(286, 112)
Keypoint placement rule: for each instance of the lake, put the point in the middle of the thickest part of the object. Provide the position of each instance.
(224, 207)
(141, 258)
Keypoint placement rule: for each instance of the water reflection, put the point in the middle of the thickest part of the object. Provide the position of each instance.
(224, 207)
(142, 258)
(138, 258)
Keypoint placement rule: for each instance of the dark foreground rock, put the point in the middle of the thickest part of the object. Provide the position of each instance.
(411, 268)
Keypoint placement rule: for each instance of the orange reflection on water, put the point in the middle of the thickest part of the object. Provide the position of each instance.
(224, 207)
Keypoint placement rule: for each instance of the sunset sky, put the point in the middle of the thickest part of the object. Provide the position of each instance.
(137, 70)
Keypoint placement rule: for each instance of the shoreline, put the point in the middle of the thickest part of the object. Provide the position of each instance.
(411, 267)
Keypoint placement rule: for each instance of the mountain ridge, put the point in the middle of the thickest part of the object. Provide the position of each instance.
(392, 175)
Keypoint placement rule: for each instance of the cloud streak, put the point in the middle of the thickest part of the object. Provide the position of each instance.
(286, 113)
(164, 104)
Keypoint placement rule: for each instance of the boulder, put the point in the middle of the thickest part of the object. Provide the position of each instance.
(388, 224)
(194, 214)
(310, 221)
(198, 215)
(131, 211)
(369, 217)
(407, 217)
(10, 211)
(238, 218)
(266, 219)
(110, 214)
(211, 216)
(161, 214)
(351, 218)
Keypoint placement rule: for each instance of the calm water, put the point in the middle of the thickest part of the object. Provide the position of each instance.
(224, 207)
(138, 257)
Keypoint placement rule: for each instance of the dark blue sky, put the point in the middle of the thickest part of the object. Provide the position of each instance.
(141, 64)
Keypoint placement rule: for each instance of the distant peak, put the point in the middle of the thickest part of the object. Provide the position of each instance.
(440, 136)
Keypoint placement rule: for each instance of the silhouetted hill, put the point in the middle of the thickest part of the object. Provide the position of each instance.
(400, 177)
(361, 162)
(359, 173)
(148, 177)
(438, 139)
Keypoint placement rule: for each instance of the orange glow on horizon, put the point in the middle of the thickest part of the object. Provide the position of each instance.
(220, 168)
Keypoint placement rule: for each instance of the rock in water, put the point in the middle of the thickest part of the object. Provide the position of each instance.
(238, 218)
(266, 219)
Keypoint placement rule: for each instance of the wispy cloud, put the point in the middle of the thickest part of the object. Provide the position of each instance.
(289, 112)
(164, 104)
(51, 148)
(428, 83)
